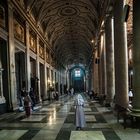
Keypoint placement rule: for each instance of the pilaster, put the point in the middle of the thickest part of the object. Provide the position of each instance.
(12, 94)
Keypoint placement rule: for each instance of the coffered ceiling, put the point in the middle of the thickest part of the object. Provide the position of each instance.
(69, 26)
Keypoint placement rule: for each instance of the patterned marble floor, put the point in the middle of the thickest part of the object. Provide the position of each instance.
(55, 121)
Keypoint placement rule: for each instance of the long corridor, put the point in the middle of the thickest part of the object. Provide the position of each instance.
(55, 121)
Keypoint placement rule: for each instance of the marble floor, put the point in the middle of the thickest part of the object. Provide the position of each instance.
(55, 121)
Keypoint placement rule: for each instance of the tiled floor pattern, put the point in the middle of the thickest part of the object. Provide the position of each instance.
(55, 121)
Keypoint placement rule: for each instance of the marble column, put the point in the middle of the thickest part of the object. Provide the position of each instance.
(12, 95)
(50, 73)
(90, 79)
(136, 56)
(38, 69)
(45, 74)
(110, 60)
(58, 81)
(54, 77)
(68, 79)
(92, 72)
(86, 80)
(27, 65)
(121, 58)
(102, 66)
(99, 69)
(96, 73)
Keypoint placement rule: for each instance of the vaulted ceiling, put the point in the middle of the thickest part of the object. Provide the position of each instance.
(69, 26)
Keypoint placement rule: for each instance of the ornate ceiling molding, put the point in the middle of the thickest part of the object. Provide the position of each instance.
(69, 25)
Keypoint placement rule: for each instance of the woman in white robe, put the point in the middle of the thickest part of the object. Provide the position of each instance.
(79, 112)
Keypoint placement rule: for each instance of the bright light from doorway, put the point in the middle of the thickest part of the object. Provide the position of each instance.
(77, 73)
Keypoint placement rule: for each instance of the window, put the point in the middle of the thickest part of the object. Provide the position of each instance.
(77, 73)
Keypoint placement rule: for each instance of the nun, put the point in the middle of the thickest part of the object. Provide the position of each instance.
(79, 112)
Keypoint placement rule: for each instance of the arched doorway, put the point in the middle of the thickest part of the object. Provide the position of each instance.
(77, 75)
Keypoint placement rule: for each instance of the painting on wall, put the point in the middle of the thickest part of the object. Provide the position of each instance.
(32, 41)
(19, 31)
(41, 49)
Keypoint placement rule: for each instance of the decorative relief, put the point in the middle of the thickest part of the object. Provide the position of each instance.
(41, 49)
(2, 16)
(19, 32)
(68, 11)
(32, 41)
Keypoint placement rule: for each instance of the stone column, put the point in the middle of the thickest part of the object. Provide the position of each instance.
(38, 69)
(67, 78)
(92, 72)
(102, 65)
(45, 74)
(59, 81)
(50, 73)
(90, 79)
(110, 60)
(12, 95)
(96, 73)
(136, 58)
(27, 65)
(99, 68)
(54, 78)
(121, 58)
(86, 80)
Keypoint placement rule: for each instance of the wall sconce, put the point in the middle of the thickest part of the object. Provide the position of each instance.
(131, 72)
(49, 81)
(92, 41)
(53, 82)
(130, 54)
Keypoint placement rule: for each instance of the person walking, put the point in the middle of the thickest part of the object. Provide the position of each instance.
(79, 112)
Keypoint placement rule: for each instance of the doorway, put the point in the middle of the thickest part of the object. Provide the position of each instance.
(20, 75)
